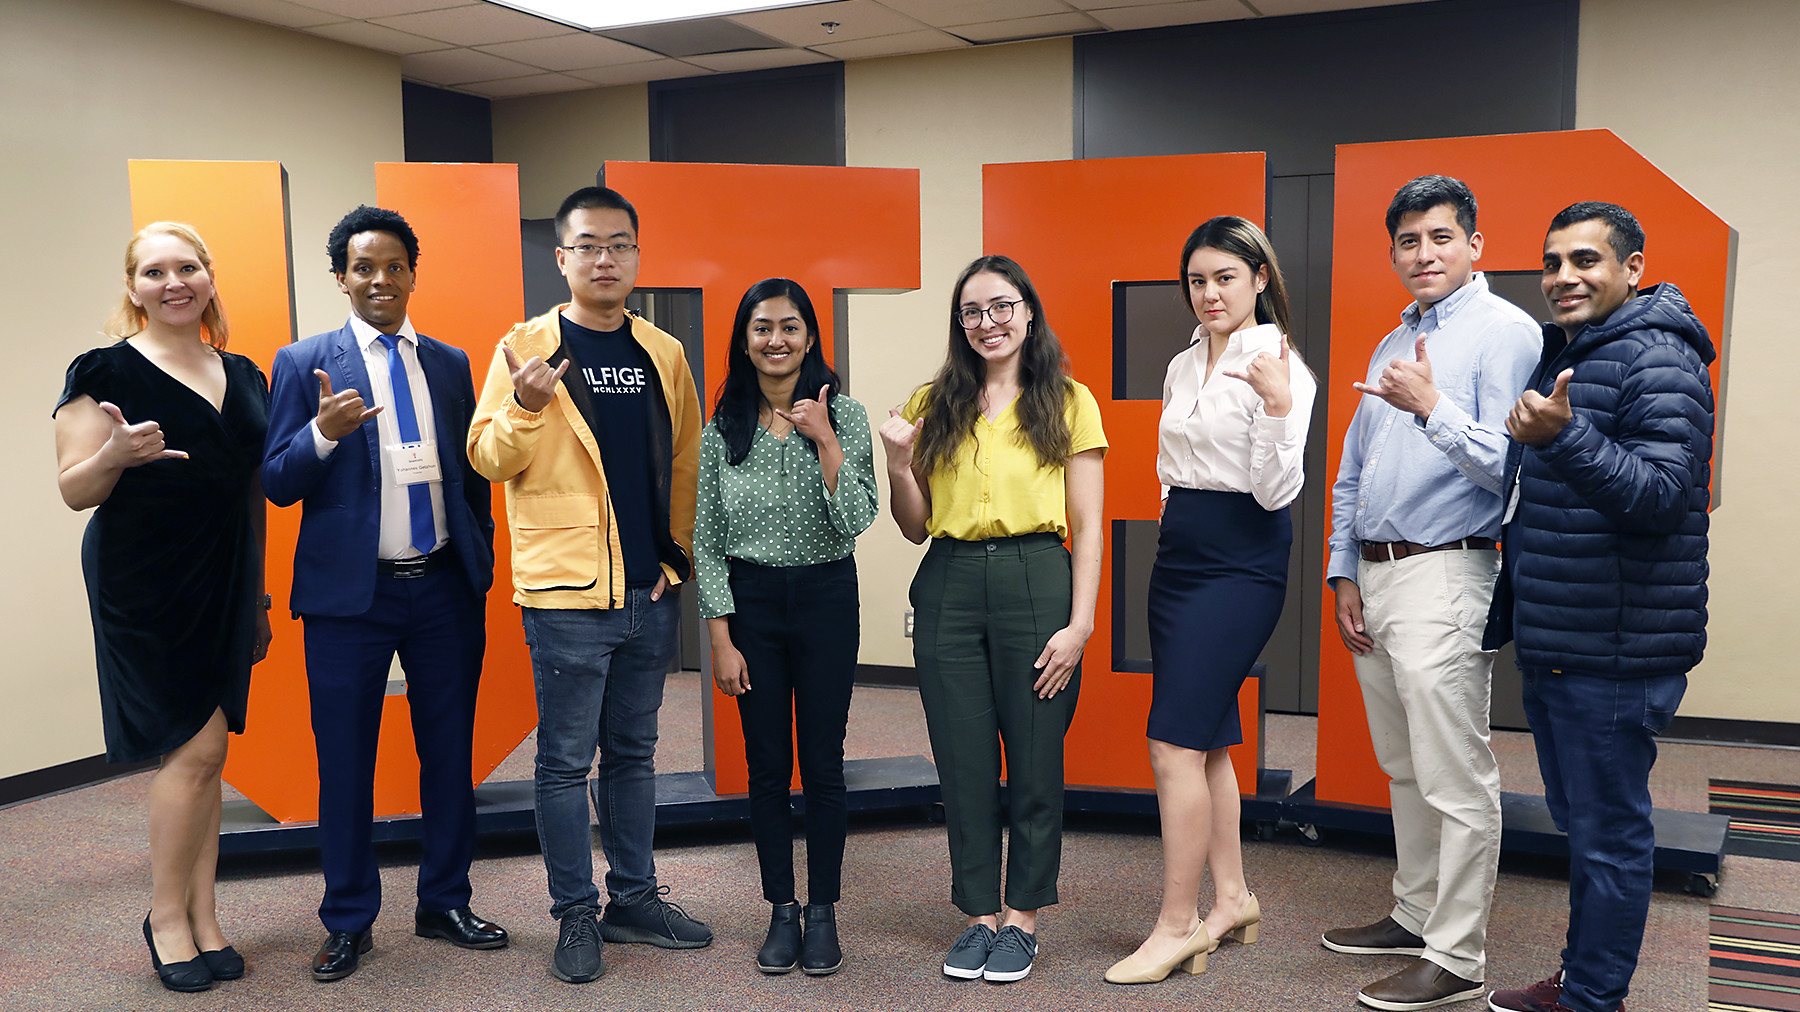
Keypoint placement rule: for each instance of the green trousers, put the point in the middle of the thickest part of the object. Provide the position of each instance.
(983, 611)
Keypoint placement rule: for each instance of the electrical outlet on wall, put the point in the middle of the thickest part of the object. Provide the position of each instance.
(908, 623)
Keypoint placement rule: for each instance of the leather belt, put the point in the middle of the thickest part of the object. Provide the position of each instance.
(411, 569)
(1394, 551)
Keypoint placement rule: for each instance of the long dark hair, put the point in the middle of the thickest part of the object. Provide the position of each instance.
(740, 396)
(954, 398)
(1237, 237)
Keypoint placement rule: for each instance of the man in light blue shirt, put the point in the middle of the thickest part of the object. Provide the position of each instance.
(1415, 511)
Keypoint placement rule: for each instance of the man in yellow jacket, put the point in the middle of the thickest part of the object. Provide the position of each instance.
(590, 418)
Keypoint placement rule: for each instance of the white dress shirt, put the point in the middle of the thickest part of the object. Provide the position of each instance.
(1214, 433)
(396, 505)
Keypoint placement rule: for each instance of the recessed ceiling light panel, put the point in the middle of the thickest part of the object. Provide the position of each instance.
(597, 15)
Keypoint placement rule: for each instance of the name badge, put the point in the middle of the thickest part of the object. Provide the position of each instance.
(413, 463)
(1512, 505)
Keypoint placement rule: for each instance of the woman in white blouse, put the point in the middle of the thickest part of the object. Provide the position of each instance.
(1229, 447)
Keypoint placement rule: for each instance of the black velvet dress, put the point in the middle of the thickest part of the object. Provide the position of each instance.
(170, 557)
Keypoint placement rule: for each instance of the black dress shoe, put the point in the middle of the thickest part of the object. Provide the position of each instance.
(459, 927)
(337, 958)
(187, 975)
(819, 952)
(225, 963)
(780, 951)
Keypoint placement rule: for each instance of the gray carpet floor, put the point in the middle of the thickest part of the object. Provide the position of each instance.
(75, 883)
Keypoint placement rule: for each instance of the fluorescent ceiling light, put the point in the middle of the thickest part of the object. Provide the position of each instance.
(598, 15)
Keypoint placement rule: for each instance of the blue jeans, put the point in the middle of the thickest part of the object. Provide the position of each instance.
(599, 677)
(1596, 742)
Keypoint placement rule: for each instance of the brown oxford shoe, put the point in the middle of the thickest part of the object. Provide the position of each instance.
(1383, 938)
(1422, 985)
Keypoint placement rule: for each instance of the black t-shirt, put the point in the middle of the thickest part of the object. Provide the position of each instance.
(619, 378)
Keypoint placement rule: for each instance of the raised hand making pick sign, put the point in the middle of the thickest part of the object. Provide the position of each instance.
(1406, 385)
(340, 413)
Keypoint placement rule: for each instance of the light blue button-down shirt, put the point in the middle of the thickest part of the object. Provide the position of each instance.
(1439, 480)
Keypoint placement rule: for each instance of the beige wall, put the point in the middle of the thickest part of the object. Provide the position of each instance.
(936, 113)
(1707, 92)
(88, 85)
(560, 141)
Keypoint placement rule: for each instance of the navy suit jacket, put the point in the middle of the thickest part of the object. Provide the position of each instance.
(334, 561)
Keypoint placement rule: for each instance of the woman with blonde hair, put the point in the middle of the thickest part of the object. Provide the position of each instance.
(162, 433)
(1229, 445)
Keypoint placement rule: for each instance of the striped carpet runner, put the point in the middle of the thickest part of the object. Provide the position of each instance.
(1765, 818)
(1754, 961)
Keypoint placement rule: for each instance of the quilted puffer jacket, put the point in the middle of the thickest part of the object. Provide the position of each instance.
(1604, 557)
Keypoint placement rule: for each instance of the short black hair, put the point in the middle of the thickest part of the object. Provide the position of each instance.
(591, 197)
(369, 219)
(1623, 232)
(1427, 192)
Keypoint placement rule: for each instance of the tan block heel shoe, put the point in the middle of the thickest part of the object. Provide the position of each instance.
(1191, 957)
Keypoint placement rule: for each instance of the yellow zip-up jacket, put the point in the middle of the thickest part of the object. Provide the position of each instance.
(565, 539)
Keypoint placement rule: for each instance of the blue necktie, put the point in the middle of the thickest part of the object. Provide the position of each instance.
(424, 529)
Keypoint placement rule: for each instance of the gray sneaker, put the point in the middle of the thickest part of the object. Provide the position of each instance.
(1010, 958)
(969, 955)
(654, 921)
(578, 957)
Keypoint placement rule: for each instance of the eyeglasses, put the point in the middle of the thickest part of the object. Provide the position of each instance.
(999, 312)
(589, 251)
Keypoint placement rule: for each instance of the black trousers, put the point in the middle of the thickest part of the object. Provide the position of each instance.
(798, 628)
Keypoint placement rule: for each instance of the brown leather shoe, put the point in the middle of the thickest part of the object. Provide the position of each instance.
(1422, 985)
(1544, 996)
(1383, 938)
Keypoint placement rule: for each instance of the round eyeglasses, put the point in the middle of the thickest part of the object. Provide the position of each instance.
(1000, 312)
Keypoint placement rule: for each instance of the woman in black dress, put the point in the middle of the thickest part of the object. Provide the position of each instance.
(1229, 447)
(163, 432)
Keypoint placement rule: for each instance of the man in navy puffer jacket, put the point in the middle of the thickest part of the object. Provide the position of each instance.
(1603, 582)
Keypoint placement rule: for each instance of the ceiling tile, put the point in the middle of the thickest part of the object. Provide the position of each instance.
(1280, 8)
(536, 84)
(475, 25)
(364, 9)
(274, 12)
(939, 13)
(928, 41)
(1162, 15)
(802, 26)
(570, 52)
(633, 73)
(458, 66)
(372, 36)
(758, 59)
(691, 38)
(1066, 23)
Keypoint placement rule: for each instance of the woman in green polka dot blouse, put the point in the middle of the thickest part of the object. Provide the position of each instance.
(787, 482)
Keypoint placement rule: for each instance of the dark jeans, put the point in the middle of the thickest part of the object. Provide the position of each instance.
(1596, 743)
(984, 610)
(438, 628)
(798, 628)
(599, 677)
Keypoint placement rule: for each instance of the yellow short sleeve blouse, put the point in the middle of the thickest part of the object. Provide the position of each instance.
(994, 487)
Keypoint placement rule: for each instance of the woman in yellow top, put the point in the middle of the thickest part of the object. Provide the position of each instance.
(998, 459)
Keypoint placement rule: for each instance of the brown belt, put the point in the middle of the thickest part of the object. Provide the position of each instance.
(1394, 551)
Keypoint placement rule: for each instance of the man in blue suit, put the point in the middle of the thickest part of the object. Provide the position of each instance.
(396, 553)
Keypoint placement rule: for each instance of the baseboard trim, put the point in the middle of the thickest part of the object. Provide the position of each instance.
(1735, 732)
(63, 777)
(887, 676)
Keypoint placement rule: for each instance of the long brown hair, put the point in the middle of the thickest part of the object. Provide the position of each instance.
(1240, 238)
(953, 400)
(129, 318)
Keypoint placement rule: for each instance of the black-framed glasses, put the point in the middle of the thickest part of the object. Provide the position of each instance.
(590, 251)
(1000, 312)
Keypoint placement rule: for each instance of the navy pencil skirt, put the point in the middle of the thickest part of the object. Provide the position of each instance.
(1215, 594)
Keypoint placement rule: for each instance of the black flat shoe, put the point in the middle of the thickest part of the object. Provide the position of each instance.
(339, 956)
(819, 952)
(188, 975)
(225, 964)
(459, 927)
(780, 951)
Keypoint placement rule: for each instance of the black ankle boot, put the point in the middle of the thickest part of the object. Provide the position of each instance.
(780, 951)
(819, 952)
